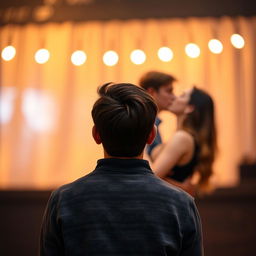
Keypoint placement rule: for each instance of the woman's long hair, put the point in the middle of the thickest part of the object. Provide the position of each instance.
(201, 124)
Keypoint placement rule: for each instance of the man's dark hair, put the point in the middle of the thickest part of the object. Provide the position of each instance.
(155, 80)
(124, 116)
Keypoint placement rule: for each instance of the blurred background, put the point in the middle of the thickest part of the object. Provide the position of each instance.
(55, 54)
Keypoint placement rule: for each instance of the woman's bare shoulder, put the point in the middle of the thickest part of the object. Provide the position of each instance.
(183, 136)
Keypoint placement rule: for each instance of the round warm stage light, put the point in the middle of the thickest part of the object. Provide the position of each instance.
(110, 58)
(8, 53)
(192, 50)
(138, 57)
(215, 46)
(165, 54)
(78, 58)
(42, 56)
(237, 41)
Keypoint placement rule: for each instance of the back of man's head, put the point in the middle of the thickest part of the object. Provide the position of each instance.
(155, 80)
(124, 116)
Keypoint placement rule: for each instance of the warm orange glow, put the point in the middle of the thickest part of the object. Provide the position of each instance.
(7, 97)
(46, 121)
(42, 56)
(39, 110)
(192, 50)
(78, 58)
(8, 53)
(110, 58)
(138, 57)
(237, 41)
(165, 54)
(215, 46)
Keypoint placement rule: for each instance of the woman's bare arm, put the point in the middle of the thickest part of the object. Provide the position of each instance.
(172, 153)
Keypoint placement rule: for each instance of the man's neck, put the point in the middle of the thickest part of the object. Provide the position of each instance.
(106, 155)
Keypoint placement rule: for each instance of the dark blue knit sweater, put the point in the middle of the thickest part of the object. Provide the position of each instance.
(121, 208)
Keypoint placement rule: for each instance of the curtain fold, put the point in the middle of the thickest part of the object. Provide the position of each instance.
(45, 108)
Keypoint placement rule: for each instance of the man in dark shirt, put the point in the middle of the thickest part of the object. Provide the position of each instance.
(121, 208)
(160, 86)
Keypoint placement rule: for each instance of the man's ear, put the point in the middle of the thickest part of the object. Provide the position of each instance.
(152, 135)
(189, 109)
(151, 91)
(95, 135)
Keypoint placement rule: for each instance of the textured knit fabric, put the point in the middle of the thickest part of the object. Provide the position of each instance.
(182, 172)
(157, 140)
(121, 208)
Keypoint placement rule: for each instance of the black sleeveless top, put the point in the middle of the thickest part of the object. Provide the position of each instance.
(181, 172)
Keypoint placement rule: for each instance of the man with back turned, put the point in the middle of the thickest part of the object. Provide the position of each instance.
(121, 207)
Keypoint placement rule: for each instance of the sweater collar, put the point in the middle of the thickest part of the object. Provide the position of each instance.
(133, 166)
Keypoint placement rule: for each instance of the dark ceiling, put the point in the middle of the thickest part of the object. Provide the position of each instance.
(24, 11)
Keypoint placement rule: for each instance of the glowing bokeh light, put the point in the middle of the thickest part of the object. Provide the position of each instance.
(8, 53)
(110, 58)
(78, 58)
(165, 54)
(42, 56)
(237, 41)
(138, 57)
(39, 110)
(215, 46)
(7, 97)
(192, 50)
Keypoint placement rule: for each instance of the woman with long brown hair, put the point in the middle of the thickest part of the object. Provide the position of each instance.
(192, 149)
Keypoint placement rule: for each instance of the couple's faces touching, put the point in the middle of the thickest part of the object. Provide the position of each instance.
(164, 97)
(180, 104)
(166, 100)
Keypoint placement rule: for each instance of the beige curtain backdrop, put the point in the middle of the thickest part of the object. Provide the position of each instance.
(45, 108)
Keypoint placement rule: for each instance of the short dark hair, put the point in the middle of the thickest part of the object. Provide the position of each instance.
(124, 116)
(155, 80)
